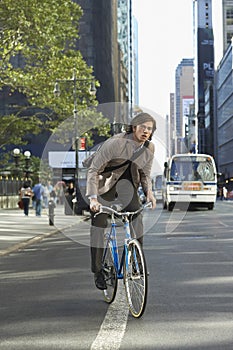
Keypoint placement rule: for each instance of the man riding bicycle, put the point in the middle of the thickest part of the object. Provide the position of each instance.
(119, 167)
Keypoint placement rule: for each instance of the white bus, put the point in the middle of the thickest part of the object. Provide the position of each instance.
(189, 179)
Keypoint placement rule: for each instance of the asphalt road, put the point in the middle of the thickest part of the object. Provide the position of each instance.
(48, 299)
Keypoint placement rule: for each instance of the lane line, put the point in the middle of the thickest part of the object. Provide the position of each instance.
(114, 324)
(223, 224)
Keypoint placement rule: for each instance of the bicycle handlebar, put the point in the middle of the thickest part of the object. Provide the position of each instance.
(110, 210)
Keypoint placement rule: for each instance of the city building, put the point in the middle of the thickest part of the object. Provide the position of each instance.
(108, 43)
(191, 137)
(210, 119)
(172, 127)
(125, 39)
(224, 109)
(135, 80)
(98, 43)
(204, 72)
(227, 20)
(184, 97)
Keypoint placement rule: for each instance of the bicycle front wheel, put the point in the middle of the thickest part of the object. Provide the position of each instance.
(135, 278)
(110, 274)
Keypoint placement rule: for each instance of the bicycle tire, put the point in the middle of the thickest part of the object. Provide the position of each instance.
(135, 278)
(110, 274)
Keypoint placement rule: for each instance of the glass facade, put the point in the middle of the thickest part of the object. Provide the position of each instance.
(227, 23)
(225, 114)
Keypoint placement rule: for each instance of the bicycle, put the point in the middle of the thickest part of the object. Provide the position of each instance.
(131, 267)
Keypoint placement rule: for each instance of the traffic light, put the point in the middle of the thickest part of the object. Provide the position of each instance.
(82, 144)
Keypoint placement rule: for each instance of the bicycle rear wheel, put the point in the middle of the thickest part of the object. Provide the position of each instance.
(135, 278)
(110, 274)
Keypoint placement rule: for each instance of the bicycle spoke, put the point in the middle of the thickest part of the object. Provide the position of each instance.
(137, 293)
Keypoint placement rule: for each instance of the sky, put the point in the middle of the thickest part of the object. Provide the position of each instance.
(165, 37)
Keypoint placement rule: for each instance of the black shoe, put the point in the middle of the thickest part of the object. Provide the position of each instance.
(100, 281)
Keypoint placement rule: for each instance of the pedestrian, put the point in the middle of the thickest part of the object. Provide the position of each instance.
(50, 187)
(46, 196)
(38, 191)
(224, 192)
(106, 186)
(25, 195)
(59, 188)
(221, 193)
(69, 196)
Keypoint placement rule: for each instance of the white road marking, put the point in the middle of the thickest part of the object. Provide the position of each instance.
(223, 224)
(114, 324)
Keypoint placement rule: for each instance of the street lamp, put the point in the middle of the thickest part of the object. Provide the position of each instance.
(16, 153)
(57, 93)
(27, 155)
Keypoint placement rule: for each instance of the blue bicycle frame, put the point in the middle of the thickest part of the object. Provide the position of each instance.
(112, 239)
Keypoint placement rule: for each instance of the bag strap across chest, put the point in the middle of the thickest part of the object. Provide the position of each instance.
(136, 154)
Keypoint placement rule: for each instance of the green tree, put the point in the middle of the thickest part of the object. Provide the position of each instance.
(38, 45)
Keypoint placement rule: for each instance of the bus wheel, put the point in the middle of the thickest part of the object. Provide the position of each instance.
(211, 206)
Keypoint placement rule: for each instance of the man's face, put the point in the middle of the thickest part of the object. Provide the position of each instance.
(143, 131)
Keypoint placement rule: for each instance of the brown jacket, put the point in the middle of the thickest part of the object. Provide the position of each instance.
(115, 151)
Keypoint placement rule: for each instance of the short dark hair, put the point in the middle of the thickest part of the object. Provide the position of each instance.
(26, 184)
(140, 119)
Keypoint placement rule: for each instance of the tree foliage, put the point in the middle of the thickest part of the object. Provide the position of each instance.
(38, 46)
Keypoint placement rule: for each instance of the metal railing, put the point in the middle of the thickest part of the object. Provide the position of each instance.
(10, 187)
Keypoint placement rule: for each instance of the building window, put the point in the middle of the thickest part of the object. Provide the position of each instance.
(229, 17)
(229, 36)
(206, 6)
(229, 13)
(207, 25)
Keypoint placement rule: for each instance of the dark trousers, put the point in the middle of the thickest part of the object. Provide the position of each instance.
(26, 205)
(125, 194)
(38, 207)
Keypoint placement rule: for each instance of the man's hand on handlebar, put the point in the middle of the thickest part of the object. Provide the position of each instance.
(94, 205)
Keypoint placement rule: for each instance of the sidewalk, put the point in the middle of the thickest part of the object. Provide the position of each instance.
(18, 231)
